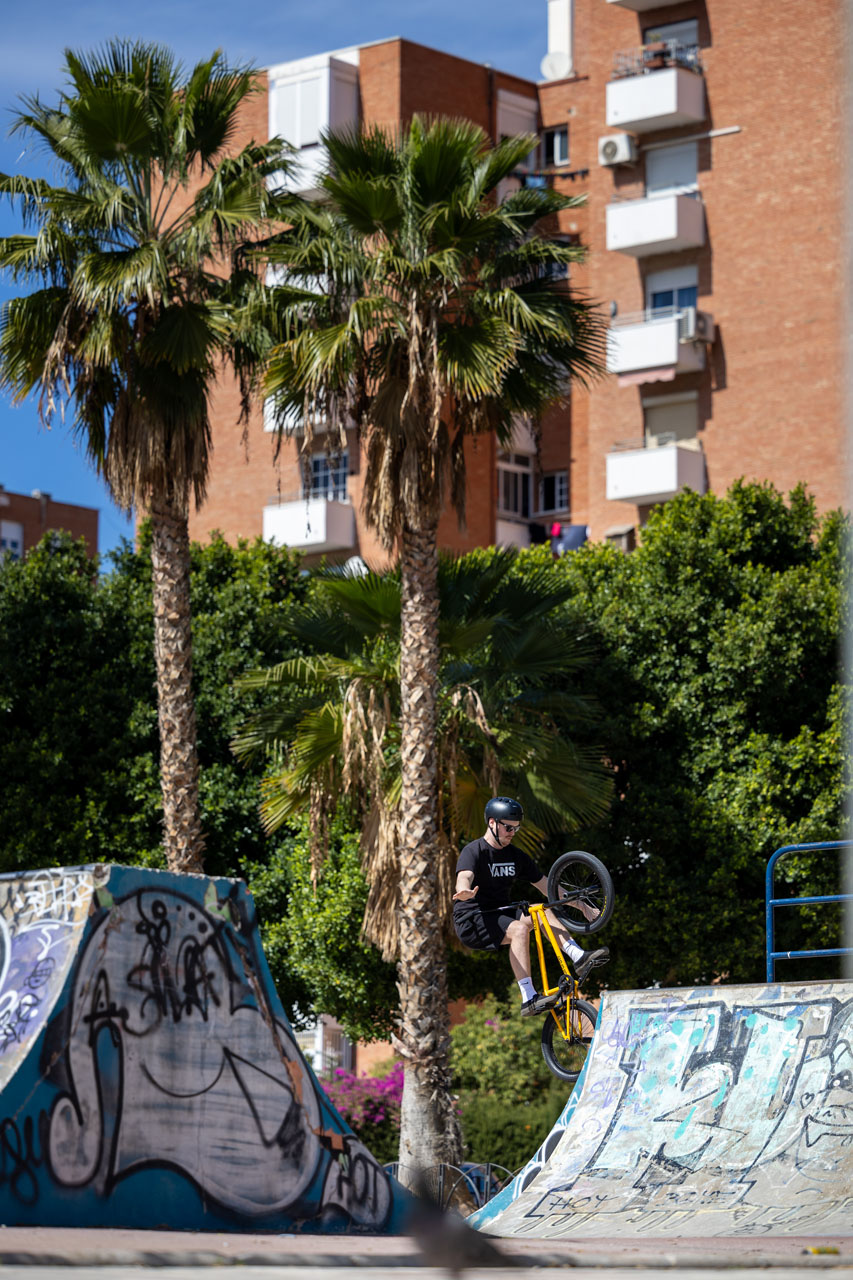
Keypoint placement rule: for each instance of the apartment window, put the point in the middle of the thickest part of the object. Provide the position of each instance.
(515, 484)
(555, 145)
(557, 270)
(554, 492)
(672, 170)
(667, 419)
(329, 476)
(299, 110)
(11, 540)
(673, 290)
(686, 32)
(517, 114)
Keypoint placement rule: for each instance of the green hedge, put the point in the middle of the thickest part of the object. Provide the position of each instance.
(509, 1136)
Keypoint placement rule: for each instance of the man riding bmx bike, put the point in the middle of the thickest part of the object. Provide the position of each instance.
(482, 915)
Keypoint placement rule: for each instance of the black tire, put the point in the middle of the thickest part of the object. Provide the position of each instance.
(565, 1056)
(584, 879)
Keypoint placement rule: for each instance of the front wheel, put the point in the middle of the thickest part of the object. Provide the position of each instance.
(583, 885)
(566, 1037)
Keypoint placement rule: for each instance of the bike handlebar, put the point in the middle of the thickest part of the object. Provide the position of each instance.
(523, 903)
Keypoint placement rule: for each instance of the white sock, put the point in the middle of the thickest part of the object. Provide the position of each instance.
(528, 991)
(573, 951)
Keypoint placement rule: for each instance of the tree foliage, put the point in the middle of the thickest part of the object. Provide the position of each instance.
(126, 314)
(715, 668)
(78, 734)
(417, 306)
(511, 714)
(508, 1098)
(720, 641)
(312, 932)
(76, 702)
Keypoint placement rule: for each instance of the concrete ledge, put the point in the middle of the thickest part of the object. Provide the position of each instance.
(89, 1247)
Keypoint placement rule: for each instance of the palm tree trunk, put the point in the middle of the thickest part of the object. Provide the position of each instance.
(429, 1131)
(170, 557)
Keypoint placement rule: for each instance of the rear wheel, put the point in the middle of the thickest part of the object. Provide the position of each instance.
(583, 884)
(564, 1047)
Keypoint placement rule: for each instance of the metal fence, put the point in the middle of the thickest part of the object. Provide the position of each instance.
(462, 1188)
(656, 56)
(772, 902)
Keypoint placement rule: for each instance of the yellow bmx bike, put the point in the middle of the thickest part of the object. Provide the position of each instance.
(580, 894)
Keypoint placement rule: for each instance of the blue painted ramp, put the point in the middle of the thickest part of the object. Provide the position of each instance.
(702, 1112)
(149, 1075)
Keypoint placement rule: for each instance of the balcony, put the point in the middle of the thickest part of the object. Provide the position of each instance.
(649, 474)
(512, 533)
(659, 224)
(314, 525)
(639, 6)
(655, 346)
(658, 86)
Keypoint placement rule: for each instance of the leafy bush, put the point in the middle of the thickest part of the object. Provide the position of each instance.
(507, 1096)
(719, 647)
(493, 1134)
(371, 1107)
(496, 1053)
(311, 932)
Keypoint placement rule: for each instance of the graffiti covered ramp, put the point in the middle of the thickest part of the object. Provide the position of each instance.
(149, 1075)
(701, 1112)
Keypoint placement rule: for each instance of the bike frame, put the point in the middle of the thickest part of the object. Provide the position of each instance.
(566, 983)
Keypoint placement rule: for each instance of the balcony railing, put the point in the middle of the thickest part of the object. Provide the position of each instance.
(656, 87)
(655, 57)
(639, 6)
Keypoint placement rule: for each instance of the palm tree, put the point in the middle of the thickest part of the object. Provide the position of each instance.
(127, 315)
(427, 314)
(509, 713)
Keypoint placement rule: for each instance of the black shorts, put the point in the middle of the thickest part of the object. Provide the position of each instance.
(483, 930)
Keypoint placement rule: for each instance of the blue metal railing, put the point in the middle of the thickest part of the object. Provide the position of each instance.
(772, 902)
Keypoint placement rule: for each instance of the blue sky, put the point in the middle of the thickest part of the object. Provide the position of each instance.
(510, 36)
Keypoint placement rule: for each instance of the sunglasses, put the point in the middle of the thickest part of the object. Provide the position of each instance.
(508, 826)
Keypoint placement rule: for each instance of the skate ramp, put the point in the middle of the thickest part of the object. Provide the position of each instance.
(715, 1111)
(150, 1077)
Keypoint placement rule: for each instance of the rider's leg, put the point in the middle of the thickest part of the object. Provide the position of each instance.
(582, 960)
(565, 939)
(517, 938)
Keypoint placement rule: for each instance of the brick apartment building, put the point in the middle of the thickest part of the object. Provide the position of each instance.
(26, 518)
(706, 136)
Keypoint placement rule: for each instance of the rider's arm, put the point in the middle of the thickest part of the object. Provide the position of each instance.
(542, 886)
(464, 891)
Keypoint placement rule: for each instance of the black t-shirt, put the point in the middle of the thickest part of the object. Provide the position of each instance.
(494, 871)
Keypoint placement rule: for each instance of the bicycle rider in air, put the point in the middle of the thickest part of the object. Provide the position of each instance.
(484, 874)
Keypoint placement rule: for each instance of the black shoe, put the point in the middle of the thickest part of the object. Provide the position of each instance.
(539, 1004)
(591, 960)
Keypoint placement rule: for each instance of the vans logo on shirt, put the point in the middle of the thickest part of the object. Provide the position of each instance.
(503, 869)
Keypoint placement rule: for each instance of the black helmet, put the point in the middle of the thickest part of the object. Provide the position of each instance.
(503, 809)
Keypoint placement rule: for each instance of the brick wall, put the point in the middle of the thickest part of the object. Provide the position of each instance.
(771, 270)
(39, 515)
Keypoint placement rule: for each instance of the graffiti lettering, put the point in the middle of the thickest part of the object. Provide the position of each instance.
(731, 1111)
(19, 1159)
(41, 917)
(171, 1061)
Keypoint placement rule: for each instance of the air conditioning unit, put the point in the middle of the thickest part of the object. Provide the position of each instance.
(617, 148)
(695, 326)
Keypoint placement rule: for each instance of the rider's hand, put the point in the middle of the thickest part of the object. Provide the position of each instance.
(464, 895)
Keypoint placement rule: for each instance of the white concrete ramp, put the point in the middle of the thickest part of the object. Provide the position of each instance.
(703, 1112)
